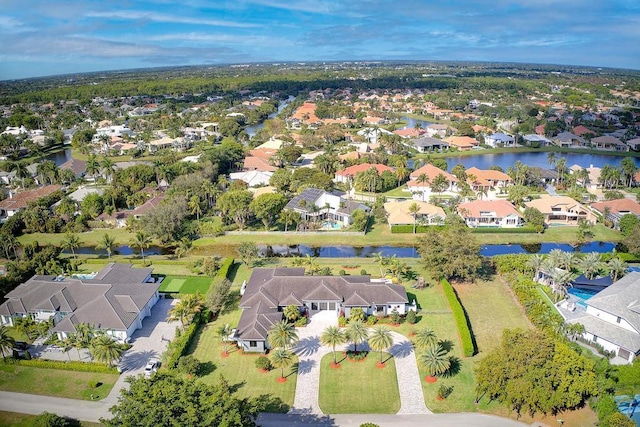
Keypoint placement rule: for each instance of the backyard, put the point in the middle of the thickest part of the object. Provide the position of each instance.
(13, 419)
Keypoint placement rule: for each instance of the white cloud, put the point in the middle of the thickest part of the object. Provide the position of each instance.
(134, 15)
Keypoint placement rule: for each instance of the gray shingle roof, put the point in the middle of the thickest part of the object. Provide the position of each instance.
(621, 298)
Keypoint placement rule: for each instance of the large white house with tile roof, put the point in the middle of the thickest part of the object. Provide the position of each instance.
(270, 290)
(114, 300)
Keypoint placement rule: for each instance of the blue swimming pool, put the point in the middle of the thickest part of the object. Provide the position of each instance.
(582, 294)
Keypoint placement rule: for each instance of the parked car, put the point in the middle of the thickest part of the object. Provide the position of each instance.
(151, 368)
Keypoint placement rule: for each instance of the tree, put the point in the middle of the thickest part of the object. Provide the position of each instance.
(93, 168)
(71, 242)
(105, 349)
(6, 342)
(531, 372)
(585, 231)
(517, 194)
(193, 403)
(380, 259)
(357, 333)
(282, 335)
(561, 279)
(108, 168)
(47, 419)
(425, 338)
(380, 339)
(218, 296)
(627, 223)
(590, 265)
(629, 168)
(141, 241)
(423, 178)
(186, 309)
(534, 218)
(440, 183)
(183, 247)
(223, 332)
(267, 207)
(453, 252)
(617, 268)
(289, 217)
(414, 209)
(108, 243)
(281, 358)
(248, 252)
(435, 360)
(167, 221)
(235, 205)
(291, 313)
(333, 336)
(194, 206)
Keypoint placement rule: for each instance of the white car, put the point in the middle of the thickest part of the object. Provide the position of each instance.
(151, 368)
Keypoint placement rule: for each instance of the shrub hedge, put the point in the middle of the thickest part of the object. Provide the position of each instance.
(408, 229)
(537, 310)
(468, 346)
(223, 271)
(178, 347)
(75, 366)
(496, 230)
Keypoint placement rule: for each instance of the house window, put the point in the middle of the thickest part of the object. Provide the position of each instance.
(314, 306)
(253, 344)
(323, 306)
(595, 339)
(380, 308)
(332, 306)
(618, 319)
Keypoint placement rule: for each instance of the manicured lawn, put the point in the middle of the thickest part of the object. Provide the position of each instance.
(239, 369)
(13, 419)
(53, 382)
(89, 238)
(186, 285)
(359, 387)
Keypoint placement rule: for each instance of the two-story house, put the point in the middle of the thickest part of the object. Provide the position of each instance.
(490, 213)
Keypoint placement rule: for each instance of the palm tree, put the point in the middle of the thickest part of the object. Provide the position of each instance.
(288, 217)
(21, 171)
(282, 335)
(183, 247)
(617, 268)
(142, 241)
(186, 309)
(380, 339)
(414, 208)
(423, 178)
(435, 359)
(551, 158)
(194, 206)
(281, 358)
(224, 332)
(71, 242)
(535, 262)
(357, 333)
(590, 265)
(561, 167)
(108, 168)
(107, 243)
(380, 259)
(333, 336)
(6, 341)
(312, 262)
(561, 279)
(425, 338)
(105, 349)
(93, 168)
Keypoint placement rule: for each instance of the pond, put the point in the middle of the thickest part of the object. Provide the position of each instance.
(412, 252)
(59, 157)
(252, 130)
(121, 250)
(411, 123)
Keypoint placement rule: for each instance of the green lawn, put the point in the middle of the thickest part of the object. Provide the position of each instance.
(359, 387)
(13, 419)
(185, 285)
(53, 382)
(89, 238)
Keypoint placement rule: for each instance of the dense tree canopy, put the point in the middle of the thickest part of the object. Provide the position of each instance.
(452, 252)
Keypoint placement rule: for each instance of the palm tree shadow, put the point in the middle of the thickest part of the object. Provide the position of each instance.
(447, 345)
(235, 387)
(401, 349)
(302, 367)
(308, 346)
(387, 358)
(454, 369)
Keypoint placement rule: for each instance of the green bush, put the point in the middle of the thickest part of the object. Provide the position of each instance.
(301, 322)
(537, 310)
(372, 320)
(468, 347)
(411, 317)
(342, 321)
(342, 273)
(263, 363)
(369, 425)
(223, 271)
(75, 366)
(178, 347)
(92, 384)
(189, 365)
(363, 272)
(408, 229)
(497, 230)
(395, 317)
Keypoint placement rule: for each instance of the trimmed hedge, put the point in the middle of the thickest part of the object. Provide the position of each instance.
(178, 347)
(539, 312)
(468, 346)
(408, 229)
(223, 271)
(497, 230)
(65, 365)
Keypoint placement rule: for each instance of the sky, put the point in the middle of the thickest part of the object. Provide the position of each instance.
(49, 37)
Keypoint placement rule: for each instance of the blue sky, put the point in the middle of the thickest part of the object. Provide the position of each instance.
(46, 37)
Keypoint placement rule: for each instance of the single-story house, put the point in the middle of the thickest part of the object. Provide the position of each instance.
(113, 300)
(609, 143)
(462, 143)
(398, 213)
(567, 139)
(253, 178)
(536, 140)
(317, 205)
(19, 201)
(348, 174)
(499, 139)
(612, 318)
(490, 213)
(427, 143)
(270, 290)
(617, 209)
(562, 210)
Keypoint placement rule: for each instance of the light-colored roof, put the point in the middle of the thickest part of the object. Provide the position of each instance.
(618, 206)
(462, 141)
(478, 208)
(545, 203)
(488, 174)
(398, 212)
(431, 172)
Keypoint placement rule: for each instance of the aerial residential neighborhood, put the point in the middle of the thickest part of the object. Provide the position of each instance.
(279, 213)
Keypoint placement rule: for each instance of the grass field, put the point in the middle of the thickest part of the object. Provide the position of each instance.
(359, 387)
(13, 419)
(52, 382)
(185, 285)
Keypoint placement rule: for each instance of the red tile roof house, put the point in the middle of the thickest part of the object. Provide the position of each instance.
(270, 290)
(422, 190)
(617, 209)
(348, 174)
(18, 201)
(114, 300)
(490, 213)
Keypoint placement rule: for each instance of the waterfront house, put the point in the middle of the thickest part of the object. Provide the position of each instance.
(421, 179)
(462, 143)
(609, 143)
(427, 144)
(270, 290)
(617, 209)
(399, 213)
(499, 139)
(490, 213)
(19, 201)
(348, 175)
(561, 210)
(569, 140)
(317, 205)
(113, 300)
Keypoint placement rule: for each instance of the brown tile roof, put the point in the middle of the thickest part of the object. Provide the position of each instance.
(252, 163)
(352, 171)
(488, 174)
(618, 206)
(22, 199)
(431, 172)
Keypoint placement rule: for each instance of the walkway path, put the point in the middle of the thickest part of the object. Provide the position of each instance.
(310, 352)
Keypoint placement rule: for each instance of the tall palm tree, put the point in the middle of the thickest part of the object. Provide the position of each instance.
(108, 243)
(357, 333)
(6, 341)
(195, 207)
(590, 265)
(141, 241)
(561, 279)
(186, 309)
(108, 168)
(425, 338)
(381, 260)
(105, 349)
(71, 242)
(282, 335)
(435, 359)
(617, 268)
(535, 262)
(21, 171)
(289, 217)
(183, 247)
(380, 339)
(414, 208)
(281, 358)
(333, 336)
(551, 158)
(423, 178)
(93, 168)
(223, 332)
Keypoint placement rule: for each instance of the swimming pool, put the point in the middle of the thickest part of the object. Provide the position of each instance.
(331, 225)
(581, 293)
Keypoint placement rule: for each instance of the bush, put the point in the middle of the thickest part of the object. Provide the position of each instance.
(223, 271)
(537, 310)
(301, 322)
(496, 230)
(411, 317)
(263, 363)
(395, 317)
(92, 384)
(342, 273)
(357, 355)
(189, 365)
(342, 321)
(363, 272)
(369, 425)
(372, 320)
(179, 345)
(408, 229)
(444, 391)
(468, 347)
(75, 366)
(356, 313)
